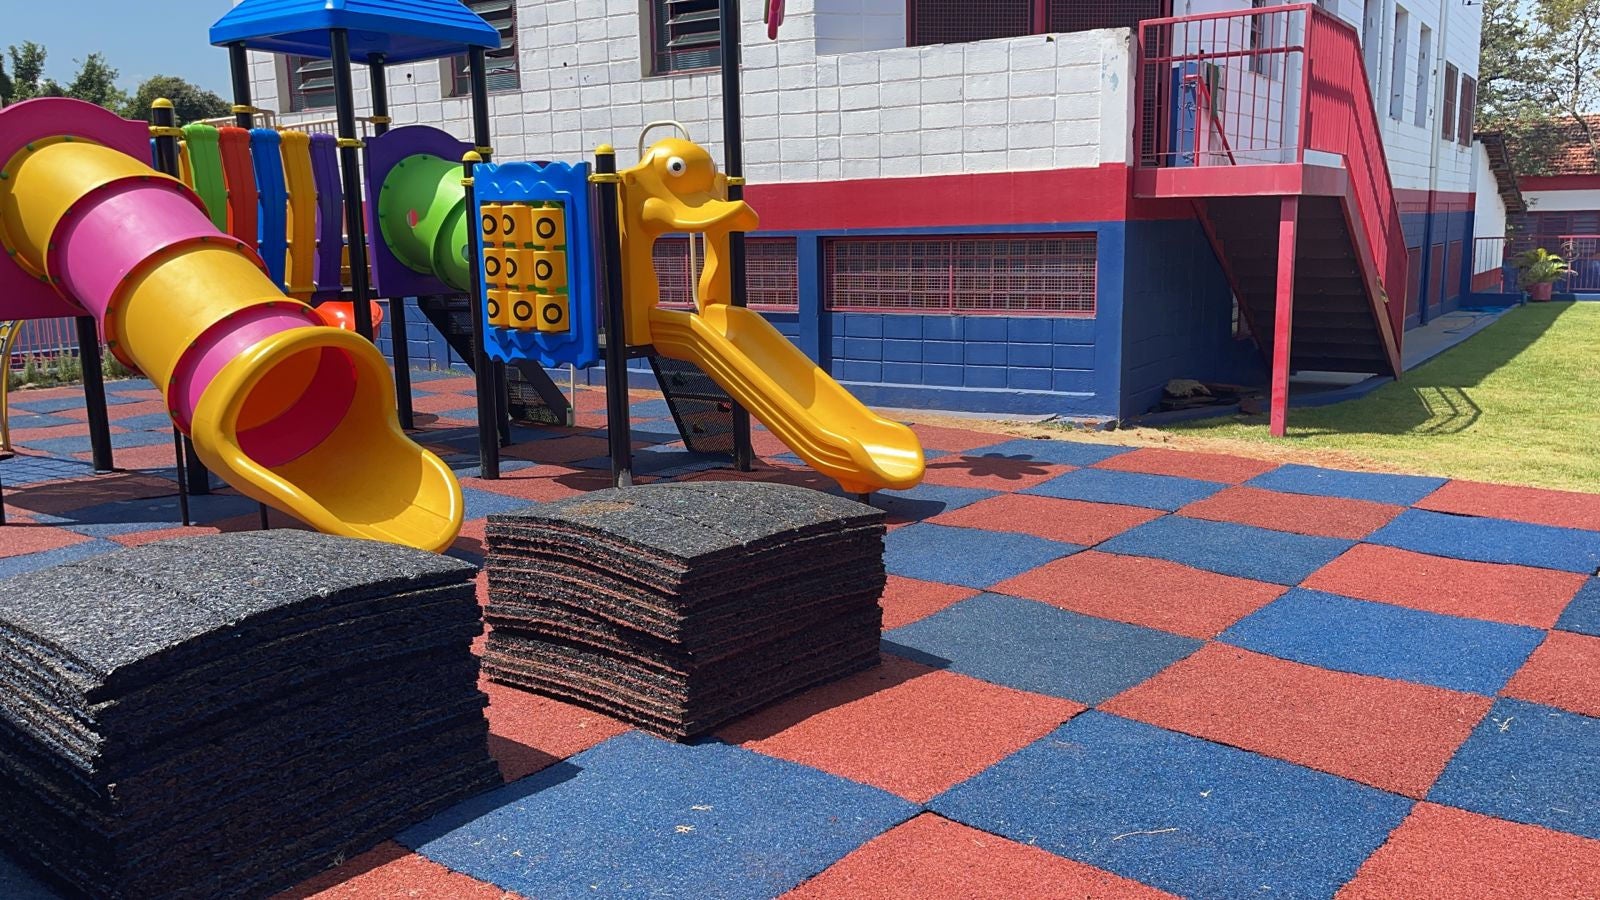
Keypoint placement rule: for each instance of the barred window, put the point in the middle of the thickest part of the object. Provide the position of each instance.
(685, 35)
(310, 83)
(771, 273)
(500, 64)
(1468, 102)
(1038, 275)
(1447, 119)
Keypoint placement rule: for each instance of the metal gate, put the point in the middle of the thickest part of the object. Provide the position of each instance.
(1582, 253)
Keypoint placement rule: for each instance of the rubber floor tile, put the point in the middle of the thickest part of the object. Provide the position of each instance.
(1240, 550)
(1378, 487)
(1060, 452)
(965, 556)
(528, 732)
(1333, 517)
(541, 484)
(905, 600)
(561, 449)
(1565, 509)
(19, 539)
(1188, 464)
(32, 562)
(641, 816)
(1384, 733)
(145, 513)
(33, 468)
(1036, 647)
(1529, 763)
(1143, 591)
(902, 726)
(1493, 540)
(990, 470)
(157, 420)
(955, 440)
(390, 870)
(1583, 613)
(1127, 488)
(1563, 672)
(152, 456)
(1388, 641)
(926, 501)
(1068, 521)
(29, 437)
(1439, 851)
(61, 497)
(931, 857)
(20, 420)
(1181, 813)
(16, 883)
(1516, 595)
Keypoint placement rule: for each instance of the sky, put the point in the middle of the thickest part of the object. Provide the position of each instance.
(138, 37)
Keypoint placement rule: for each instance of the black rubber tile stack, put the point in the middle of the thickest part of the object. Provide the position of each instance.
(226, 715)
(678, 607)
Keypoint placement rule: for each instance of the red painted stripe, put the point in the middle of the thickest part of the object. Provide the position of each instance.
(1558, 182)
(1491, 281)
(1411, 200)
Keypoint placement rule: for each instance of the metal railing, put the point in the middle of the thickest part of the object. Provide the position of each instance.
(1582, 253)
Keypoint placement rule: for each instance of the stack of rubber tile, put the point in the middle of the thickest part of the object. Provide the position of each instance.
(226, 715)
(680, 606)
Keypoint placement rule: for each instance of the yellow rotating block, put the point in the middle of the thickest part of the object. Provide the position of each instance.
(499, 308)
(501, 268)
(489, 224)
(547, 271)
(549, 228)
(522, 309)
(552, 312)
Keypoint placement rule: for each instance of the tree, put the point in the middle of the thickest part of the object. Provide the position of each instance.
(1539, 76)
(1509, 71)
(96, 82)
(190, 101)
(1572, 35)
(27, 80)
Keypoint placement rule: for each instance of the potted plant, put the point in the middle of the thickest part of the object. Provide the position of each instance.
(1540, 270)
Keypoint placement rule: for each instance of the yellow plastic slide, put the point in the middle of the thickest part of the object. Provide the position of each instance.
(289, 411)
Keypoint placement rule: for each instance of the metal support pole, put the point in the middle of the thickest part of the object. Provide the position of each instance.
(355, 226)
(488, 444)
(1283, 328)
(239, 63)
(619, 430)
(94, 394)
(733, 150)
(378, 77)
(478, 86)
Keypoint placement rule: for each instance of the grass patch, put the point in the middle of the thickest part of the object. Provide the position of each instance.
(1517, 403)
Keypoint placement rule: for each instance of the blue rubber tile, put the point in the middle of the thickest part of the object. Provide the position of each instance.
(21, 401)
(1038, 647)
(1583, 613)
(28, 469)
(480, 503)
(17, 884)
(20, 420)
(1127, 488)
(1068, 453)
(32, 562)
(966, 556)
(1184, 814)
(1529, 763)
(1337, 632)
(1492, 540)
(1399, 490)
(146, 514)
(141, 438)
(63, 446)
(928, 500)
(650, 409)
(1229, 548)
(148, 422)
(637, 816)
(469, 467)
(659, 460)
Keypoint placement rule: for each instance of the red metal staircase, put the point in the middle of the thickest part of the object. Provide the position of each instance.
(1264, 120)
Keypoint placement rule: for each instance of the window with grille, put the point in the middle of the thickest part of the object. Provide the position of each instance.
(1447, 116)
(685, 35)
(1424, 75)
(500, 65)
(310, 83)
(955, 21)
(1039, 275)
(1469, 99)
(771, 273)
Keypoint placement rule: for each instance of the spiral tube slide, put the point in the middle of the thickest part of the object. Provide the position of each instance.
(290, 412)
(422, 214)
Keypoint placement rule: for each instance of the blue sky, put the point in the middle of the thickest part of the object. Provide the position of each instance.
(139, 37)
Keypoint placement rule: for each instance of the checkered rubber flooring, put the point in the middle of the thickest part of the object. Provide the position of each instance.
(1108, 672)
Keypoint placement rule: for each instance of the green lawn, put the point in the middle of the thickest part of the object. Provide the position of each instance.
(1518, 403)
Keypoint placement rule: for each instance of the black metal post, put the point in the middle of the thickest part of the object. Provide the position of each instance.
(619, 429)
(164, 122)
(355, 227)
(239, 63)
(478, 84)
(733, 151)
(94, 394)
(488, 444)
(378, 77)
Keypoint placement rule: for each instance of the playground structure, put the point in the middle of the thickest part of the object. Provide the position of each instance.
(227, 279)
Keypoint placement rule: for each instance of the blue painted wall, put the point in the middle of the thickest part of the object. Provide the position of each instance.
(1447, 291)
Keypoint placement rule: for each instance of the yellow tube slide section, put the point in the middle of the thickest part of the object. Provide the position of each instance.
(290, 412)
(810, 412)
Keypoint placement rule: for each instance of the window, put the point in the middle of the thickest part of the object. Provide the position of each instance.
(310, 83)
(1042, 275)
(685, 35)
(771, 272)
(1447, 116)
(1469, 99)
(955, 22)
(1258, 38)
(1424, 76)
(1397, 74)
(500, 65)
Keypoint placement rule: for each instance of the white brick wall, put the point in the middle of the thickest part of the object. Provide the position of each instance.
(825, 102)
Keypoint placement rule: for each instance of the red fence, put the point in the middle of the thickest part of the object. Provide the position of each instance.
(44, 337)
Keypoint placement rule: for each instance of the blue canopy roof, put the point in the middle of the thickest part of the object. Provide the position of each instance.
(401, 30)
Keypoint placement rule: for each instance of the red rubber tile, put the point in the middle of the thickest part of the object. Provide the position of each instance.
(905, 600)
(1186, 464)
(438, 403)
(140, 538)
(933, 858)
(128, 410)
(1564, 672)
(470, 538)
(1073, 521)
(1150, 592)
(903, 727)
(246, 522)
(1564, 509)
(1516, 595)
(955, 440)
(60, 497)
(154, 456)
(1444, 852)
(24, 396)
(1299, 513)
(25, 436)
(765, 443)
(1393, 735)
(561, 449)
(541, 484)
(391, 871)
(21, 538)
(528, 732)
(991, 473)
(455, 384)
